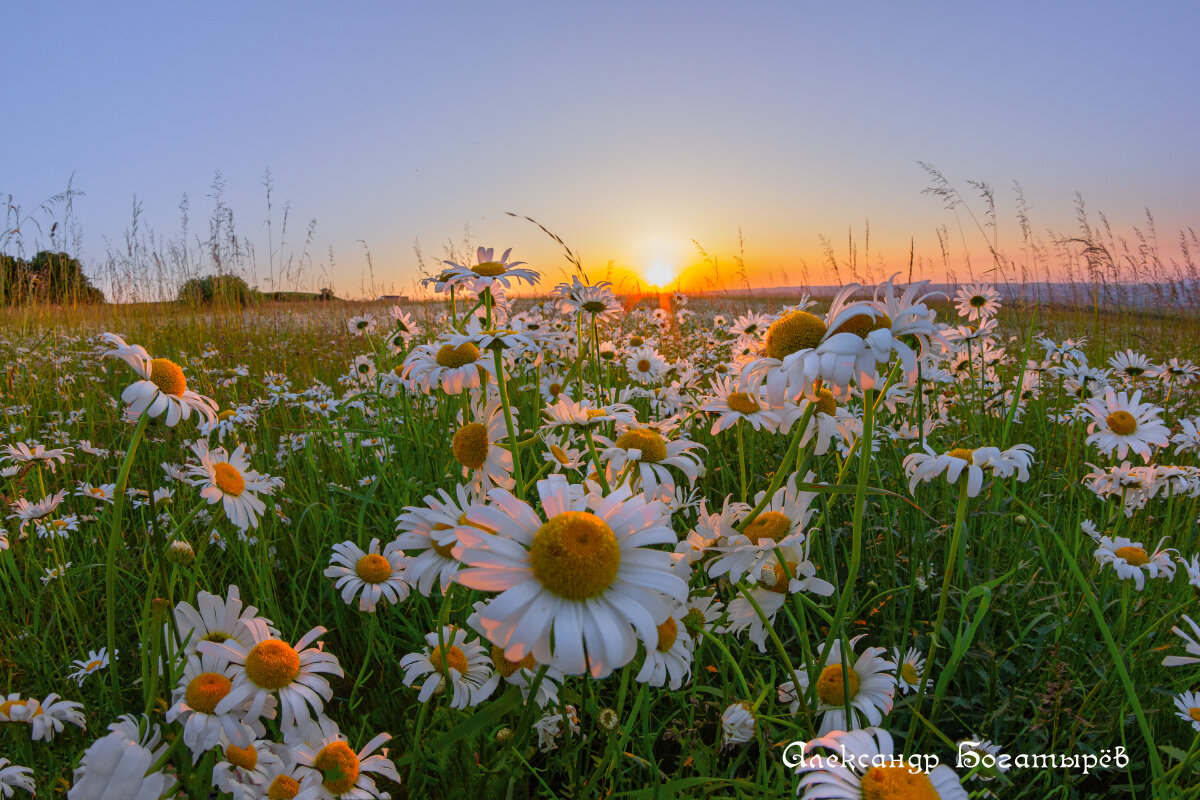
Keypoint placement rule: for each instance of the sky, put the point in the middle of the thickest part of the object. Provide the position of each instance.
(633, 130)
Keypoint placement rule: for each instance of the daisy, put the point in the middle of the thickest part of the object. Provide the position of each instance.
(670, 662)
(488, 272)
(749, 325)
(1175, 372)
(738, 724)
(1187, 440)
(54, 573)
(983, 756)
(163, 387)
(732, 405)
(977, 301)
(1131, 561)
(1193, 570)
(925, 467)
(430, 529)
(205, 682)
(86, 446)
(559, 452)
(336, 771)
(22, 453)
(867, 682)
(272, 665)
(645, 365)
(781, 523)
(104, 492)
(13, 777)
(1188, 704)
(553, 387)
(227, 477)
(910, 669)
(244, 772)
(362, 325)
(585, 577)
(46, 718)
(1123, 424)
(378, 576)
(645, 449)
(553, 724)
(450, 658)
(28, 512)
(1191, 645)
(96, 660)
(1130, 365)
(568, 413)
(215, 620)
(406, 328)
(120, 764)
(865, 765)
(474, 446)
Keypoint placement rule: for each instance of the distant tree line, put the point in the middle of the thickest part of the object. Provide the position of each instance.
(232, 290)
(48, 277)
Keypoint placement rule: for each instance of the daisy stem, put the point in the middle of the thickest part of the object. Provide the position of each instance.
(782, 472)
(960, 516)
(731, 660)
(114, 533)
(587, 434)
(508, 420)
(741, 458)
(770, 628)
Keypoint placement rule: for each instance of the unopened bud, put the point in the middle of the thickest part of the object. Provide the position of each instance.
(180, 552)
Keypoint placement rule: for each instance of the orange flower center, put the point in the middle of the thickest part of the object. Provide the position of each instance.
(862, 324)
(228, 479)
(575, 555)
(338, 766)
(450, 658)
(272, 664)
(773, 525)
(1122, 423)
(470, 445)
(283, 788)
(167, 376)
(896, 783)
(206, 690)
(668, 632)
(825, 402)
(244, 757)
(834, 685)
(1134, 556)
(373, 568)
(794, 331)
(653, 448)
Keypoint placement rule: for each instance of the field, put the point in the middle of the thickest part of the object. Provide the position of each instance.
(657, 519)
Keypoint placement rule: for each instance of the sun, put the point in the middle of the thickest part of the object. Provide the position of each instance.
(660, 275)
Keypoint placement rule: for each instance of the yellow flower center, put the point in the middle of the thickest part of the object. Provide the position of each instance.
(505, 667)
(636, 341)
(244, 757)
(272, 664)
(98, 492)
(167, 376)
(8, 705)
(470, 445)
(962, 452)
(338, 766)
(373, 568)
(653, 447)
(452, 658)
(833, 688)
(743, 403)
(216, 636)
(896, 783)
(228, 479)
(1122, 423)
(780, 578)
(862, 324)
(452, 357)
(559, 455)
(555, 389)
(643, 365)
(442, 549)
(1134, 556)
(794, 331)
(825, 402)
(592, 413)
(206, 690)
(668, 632)
(283, 788)
(575, 555)
(489, 269)
(226, 414)
(1194, 713)
(909, 673)
(773, 525)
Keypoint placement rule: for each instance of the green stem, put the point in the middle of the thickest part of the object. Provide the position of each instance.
(114, 534)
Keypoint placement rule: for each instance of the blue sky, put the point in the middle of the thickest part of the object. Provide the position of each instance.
(628, 128)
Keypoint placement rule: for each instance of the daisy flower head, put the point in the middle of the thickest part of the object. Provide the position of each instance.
(96, 660)
(553, 724)
(646, 366)
(1122, 423)
(162, 389)
(738, 724)
(927, 466)
(120, 764)
(205, 682)
(910, 669)
(732, 404)
(46, 718)
(214, 619)
(245, 772)
(377, 576)
(449, 658)
(28, 512)
(650, 453)
(228, 478)
(977, 301)
(272, 667)
(103, 493)
(866, 766)
(669, 663)
(22, 453)
(430, 529)
(585, 577)
(333, 770)
(1188, 704)
(13, 777)
(362, 325)
(1130, 560)
(454, 368)
(560, 453)
(1130, 365)
(867, 682)
(475, 447)
(487, 272)
(596, 300)
(553, 387)
(745, 547)
(566, 413)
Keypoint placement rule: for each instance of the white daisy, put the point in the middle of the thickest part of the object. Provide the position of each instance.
(1131, 561)
(163, 388)
(867, 681)
(1121, 423)
(450, 658)
(335, 770)
(864, 765)
(977, 301)
(205, 682)
(379, 576)
(227, 477)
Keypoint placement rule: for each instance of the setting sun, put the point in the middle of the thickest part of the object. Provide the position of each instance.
(660, 275)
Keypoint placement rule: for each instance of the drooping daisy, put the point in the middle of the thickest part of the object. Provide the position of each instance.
(336, 771)
(228, 478)
(977, 301)
(272, 666)
(867, 681)
(450, 659)
(103, 493)
(567, 413)
(205, 682)
(1191, 645)
(28, 512)
(738, 724)
(96, 660)
(1121, 423)
(553, 724)
(474, 446)
(887, 774)
(560, 453)
(1130, 560)
(22, 453)
(670, 662)
(378, 576)
(585, 577)
(46, 718)
(925, 467)
(163, 388)
(13, 777)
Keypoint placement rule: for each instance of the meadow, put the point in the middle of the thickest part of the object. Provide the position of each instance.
(593, 546)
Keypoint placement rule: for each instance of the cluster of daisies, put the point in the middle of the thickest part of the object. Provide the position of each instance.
(574, 537)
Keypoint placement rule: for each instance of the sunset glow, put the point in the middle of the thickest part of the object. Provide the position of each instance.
(660, 275)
